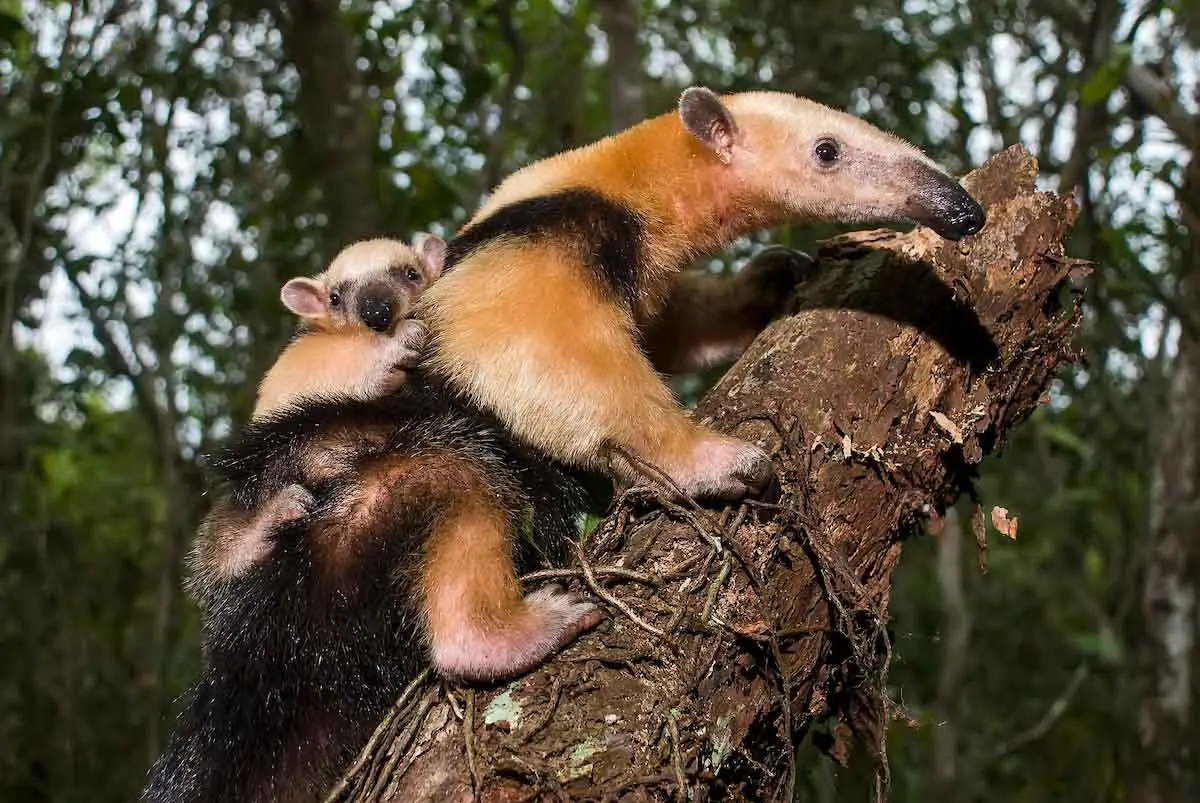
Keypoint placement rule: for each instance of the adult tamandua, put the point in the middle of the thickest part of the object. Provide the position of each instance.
(355, 340)
(550, 285)
(424, 509)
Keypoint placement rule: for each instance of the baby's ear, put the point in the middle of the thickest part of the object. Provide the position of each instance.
(432, 250)
(305, 297)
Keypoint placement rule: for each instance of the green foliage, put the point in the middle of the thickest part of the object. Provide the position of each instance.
(1107, 78)
(161, 176)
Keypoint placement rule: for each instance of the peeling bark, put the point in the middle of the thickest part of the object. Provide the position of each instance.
(756, 625)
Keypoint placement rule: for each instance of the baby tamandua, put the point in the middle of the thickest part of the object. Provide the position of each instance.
(356, 338)
(355, 341)
(554, 289)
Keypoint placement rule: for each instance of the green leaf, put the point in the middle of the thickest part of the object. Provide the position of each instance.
(1106, 79)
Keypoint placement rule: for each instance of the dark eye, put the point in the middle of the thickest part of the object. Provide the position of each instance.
(827, 152)
(335, 299)
(413, 275)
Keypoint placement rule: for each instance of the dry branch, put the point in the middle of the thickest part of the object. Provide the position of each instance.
(907, 360)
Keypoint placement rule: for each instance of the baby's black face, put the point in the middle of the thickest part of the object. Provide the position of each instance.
(380, 300)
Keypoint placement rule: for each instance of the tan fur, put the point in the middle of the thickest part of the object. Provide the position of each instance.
(521, 328)
(339, 354)
(357, 363)
(608, 384)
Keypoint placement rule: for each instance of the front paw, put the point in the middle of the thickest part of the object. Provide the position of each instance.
(772, 275)
(724, 469)
(408, 345)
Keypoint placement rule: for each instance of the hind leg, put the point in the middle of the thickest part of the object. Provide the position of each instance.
(479, 625)
(232, 540)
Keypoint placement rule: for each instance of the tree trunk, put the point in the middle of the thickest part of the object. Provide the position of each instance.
(334, 118)
(625, 78)
(736, 632)
(1170, 646)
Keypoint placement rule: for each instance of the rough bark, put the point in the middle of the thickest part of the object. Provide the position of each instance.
(736, 632)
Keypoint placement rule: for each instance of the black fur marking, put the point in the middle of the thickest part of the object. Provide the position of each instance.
(304, 657)
(609, 234)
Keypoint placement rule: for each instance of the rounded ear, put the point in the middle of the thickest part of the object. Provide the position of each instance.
(304, 296)
(708, 120)
(432, 249)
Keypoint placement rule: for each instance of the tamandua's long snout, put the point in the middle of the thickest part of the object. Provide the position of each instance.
(941, 203)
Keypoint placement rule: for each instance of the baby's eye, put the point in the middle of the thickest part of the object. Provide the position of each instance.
(335, 299)
(413, 275)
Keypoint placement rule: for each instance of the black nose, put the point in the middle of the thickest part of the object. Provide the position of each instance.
(970, 219)
(952, 212)
(941, 203)
(376, 311)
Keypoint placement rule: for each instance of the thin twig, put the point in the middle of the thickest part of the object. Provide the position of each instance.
(544, 719)
(714, 588)
(600, 571)
(383, 726)
(595, 588)
(1052, 715)
(396, 751)
(676, 758)
(469, 740)
(655, 473)
(454, 706)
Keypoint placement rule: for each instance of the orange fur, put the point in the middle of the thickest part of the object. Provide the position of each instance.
(321, 363)
(519, 326)
(468, 573)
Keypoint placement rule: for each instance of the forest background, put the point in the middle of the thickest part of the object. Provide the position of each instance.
(165, 166)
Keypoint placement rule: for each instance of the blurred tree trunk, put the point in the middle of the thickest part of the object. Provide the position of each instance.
(1170, 652)
(1169, 730)
(737, 632)
(625, 76)
(335, 121)
(44, 138)
(955, 644)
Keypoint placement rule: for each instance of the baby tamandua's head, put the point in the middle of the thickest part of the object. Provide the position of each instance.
(357, 340)
(372, 284)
